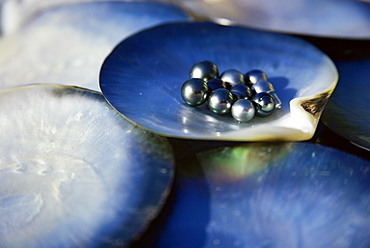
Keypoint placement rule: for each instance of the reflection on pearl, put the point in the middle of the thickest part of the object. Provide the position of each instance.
(243, 110)
(232, 77)
(253, 76)
(194, 91)
(220, 101)
(265, 104)
(204, 70)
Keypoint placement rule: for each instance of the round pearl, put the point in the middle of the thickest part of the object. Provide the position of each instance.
(204, 70)
(215, 83)
(232, 77)
(243, 110)
(220, 101)
(194, 91)
(262, 86)
(253, 76)
(265, 104)
(265, 86)
(240, 91)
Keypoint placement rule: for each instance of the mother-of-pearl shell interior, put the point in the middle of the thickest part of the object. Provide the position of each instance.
(73, 171)
(143, 75)
(66, 44)
(324, 18)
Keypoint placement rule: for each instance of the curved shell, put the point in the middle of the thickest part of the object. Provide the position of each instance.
(270, 195)
(347, 112)
(142, 79)
(329, 18)
(67, 44)
(74, 172)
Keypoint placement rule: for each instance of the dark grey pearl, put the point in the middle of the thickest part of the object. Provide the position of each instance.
(253, 76)
(215, 83)
(194, 91)
(232, 77)
(204, 69)
(240, 91)
(243, 110)
(265, 86)
(265, 104)
(262, 86)
(220, 101)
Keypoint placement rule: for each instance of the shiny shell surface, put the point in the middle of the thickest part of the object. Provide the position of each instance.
(348, 112)
(143, 75)
(74, 172)
(329, 18)
(66, 44)
(270, 195)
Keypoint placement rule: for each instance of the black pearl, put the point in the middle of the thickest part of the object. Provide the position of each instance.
(220, 101)
(240, 91)
(243, 110)
(265, 104)
(265, 86)
(204, 69)
(194, 91)
(232, 77)
(262, 86)
(215, 83)
(253, 76)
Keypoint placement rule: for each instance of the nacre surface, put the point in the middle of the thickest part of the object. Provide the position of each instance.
(143, 75)
(270, 195)
(323, 18)
(66, 44)
(348, 112)
(74, 172)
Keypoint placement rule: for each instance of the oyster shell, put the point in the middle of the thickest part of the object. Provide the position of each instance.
(347, 112)
(66, 44)
(143, 75)
(270, 195)
(328, 18)
(74, 172)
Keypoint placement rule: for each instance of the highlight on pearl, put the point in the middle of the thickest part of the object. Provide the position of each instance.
(243, 96)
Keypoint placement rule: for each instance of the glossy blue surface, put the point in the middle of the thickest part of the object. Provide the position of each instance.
(348, 110)
(292, 195)
(142, 77)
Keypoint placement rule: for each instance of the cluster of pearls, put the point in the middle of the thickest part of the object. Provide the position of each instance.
(244, 96)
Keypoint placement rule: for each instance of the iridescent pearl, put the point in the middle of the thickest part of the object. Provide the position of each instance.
(265, 104)
(262, 86)
(232, 77)
(220, 101)
(243, 110)
(204, 69)
(265, 86)
(253, 76)
(215, 83)
(240, 91)
(194, 91)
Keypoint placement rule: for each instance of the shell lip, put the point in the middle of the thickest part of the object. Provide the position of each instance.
(301, 112)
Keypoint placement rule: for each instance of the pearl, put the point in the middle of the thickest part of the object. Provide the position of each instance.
(262, 86)
(220, 101)
(240, 91)
(194, 91)
(215, 83)
(265, 104)
(204, 70)
(232, 77)
(243, 110)
(253, 76)
(265, 86)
